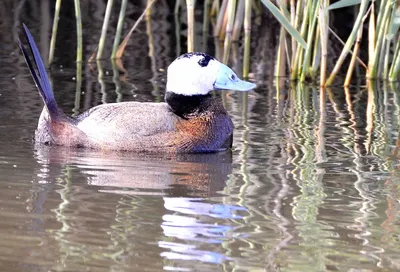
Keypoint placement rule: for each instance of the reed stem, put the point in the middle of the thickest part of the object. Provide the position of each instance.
(293, 22)
(382, 21)
(238, 21)
(54, 31)
(247, 38)
(324, 33)
(350, 42)
(354, 57)
(395, 69)
(296, 65)
(121, 48)
(104, 29)
(178, 4)
(281, 57)
(310, 37)
(206, 22)
(120, 26)
(229, 28)
(371, 36)
(220, 18)
(190, 21)
(78, 17)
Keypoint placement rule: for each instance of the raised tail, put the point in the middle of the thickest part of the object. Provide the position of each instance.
(41, 78)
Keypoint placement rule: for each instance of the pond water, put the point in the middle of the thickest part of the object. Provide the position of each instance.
(312, 182)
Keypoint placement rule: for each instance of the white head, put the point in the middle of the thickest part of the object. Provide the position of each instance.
(198, 74)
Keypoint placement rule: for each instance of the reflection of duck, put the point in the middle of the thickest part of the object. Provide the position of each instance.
(156, 174)
(191, 120)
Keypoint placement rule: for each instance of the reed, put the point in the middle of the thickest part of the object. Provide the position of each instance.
(190, 21)
(79, 47)
(324, 32)
(307, 20)
(104, 29)
(304, 39)
(120, 25)
(54, 31)
(122, 46)
(247, 37)
(229, 29)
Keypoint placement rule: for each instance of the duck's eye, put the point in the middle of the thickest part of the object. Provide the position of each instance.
(233, 77)
(203, 62)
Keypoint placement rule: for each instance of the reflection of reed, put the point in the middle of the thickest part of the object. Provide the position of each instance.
(320, 148)
(370, 118)
(353, 122)
(352, 135)
(306, 149)
(78, 90)
(380, 146)
(100, 78)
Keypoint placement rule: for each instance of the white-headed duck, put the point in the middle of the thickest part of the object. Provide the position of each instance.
(190, 121)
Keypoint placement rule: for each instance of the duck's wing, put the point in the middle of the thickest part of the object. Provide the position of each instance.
(127, 121)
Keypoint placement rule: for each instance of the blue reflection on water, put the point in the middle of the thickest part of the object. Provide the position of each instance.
(196, 229)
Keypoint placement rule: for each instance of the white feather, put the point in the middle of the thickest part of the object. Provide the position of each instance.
(187, 77)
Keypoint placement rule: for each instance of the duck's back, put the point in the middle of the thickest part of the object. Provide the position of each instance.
(142, 119)
(128, 125)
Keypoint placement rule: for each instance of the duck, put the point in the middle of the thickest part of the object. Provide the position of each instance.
(191, 120)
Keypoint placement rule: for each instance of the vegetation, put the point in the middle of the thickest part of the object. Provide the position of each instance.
(304, 37)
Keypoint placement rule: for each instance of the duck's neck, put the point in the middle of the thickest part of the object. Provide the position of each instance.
(187, 106)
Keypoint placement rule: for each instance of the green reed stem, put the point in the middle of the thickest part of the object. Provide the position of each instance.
(311, 30)
(120, 26)
(247, 38)
(373, 73)
(178, 4)
(104, 29)
(296, 66)
(386, 61)
(349, 42)
(296, 22)
(78, 17)
(395, 69)
(281, 57)
(316, 54)
(54, 32)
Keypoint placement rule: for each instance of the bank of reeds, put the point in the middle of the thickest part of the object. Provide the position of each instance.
(310, 22)
(304, 38)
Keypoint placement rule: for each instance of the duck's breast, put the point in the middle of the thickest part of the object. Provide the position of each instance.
(209, 132)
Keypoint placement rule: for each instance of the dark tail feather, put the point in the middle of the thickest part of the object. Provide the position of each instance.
(41, 79)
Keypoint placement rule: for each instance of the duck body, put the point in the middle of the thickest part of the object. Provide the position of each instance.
(190, 121)
(141, 127)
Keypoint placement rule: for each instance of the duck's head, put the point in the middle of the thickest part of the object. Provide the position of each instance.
(198, 74)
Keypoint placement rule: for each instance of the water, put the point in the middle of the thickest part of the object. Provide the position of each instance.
(312, 182)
